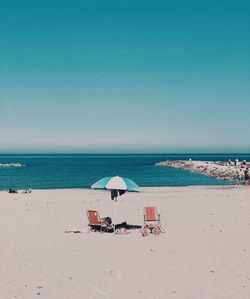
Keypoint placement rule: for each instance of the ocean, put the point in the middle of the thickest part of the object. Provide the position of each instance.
(56, 171)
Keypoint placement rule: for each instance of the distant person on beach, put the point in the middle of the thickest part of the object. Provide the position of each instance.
(114, 195)
(241, 175)
(246, 174)
(244, 162)
(12, 191)
(27, 191)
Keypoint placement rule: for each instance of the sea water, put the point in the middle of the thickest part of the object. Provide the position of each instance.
(81, 171)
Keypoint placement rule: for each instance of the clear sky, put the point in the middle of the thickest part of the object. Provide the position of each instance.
(124, 76)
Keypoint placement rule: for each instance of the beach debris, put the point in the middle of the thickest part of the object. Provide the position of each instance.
(39, 287)
(99, 291)
(73, 231)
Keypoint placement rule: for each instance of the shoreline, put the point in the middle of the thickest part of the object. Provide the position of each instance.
(143, 189)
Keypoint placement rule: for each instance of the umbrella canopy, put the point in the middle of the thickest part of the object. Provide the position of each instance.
(116, 183)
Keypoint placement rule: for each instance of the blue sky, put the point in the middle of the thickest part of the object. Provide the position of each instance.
(124, 76)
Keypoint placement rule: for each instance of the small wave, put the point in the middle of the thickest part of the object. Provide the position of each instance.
(11, 165)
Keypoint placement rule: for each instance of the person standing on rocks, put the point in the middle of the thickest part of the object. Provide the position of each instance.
(246, 174)
(241, 176)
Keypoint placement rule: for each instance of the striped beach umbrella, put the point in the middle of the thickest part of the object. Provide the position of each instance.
(116, 183)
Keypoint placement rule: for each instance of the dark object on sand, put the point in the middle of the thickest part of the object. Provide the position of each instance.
(27, 191)
(117, 227)
(127, 226)
(107, 220)
(12, 191)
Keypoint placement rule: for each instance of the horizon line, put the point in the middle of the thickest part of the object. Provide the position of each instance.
(130, 153)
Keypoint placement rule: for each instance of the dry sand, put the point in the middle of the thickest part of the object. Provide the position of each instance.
(204, 254)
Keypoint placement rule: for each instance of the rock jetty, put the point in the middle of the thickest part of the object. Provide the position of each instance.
(219, 170)
(11, 165)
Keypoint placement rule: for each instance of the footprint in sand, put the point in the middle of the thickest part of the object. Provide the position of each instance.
(111, 278)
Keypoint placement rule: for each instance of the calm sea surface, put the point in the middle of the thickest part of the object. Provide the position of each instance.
(81, 171)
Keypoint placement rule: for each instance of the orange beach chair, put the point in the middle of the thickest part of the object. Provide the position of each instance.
(95, 222)
(152, 222)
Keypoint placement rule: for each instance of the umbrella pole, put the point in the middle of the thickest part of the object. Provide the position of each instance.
(114, 213)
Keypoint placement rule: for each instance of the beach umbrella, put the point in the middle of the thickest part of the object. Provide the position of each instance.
(116, 183)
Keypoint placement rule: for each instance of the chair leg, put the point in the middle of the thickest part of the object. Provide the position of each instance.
(161, 229)
(159, 223)
(144, 231)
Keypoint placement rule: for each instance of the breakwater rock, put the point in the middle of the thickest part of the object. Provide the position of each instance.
(217, 170)
(11, 165)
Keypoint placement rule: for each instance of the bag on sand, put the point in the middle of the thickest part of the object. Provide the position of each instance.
(107, 220)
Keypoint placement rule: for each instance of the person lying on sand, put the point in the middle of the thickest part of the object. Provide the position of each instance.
(121, 227)
(27, 191)
(12, 191)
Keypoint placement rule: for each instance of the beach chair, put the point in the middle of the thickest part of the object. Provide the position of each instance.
(152, 222)
(95, 222)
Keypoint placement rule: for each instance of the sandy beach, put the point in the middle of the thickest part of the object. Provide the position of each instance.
(204, 254)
